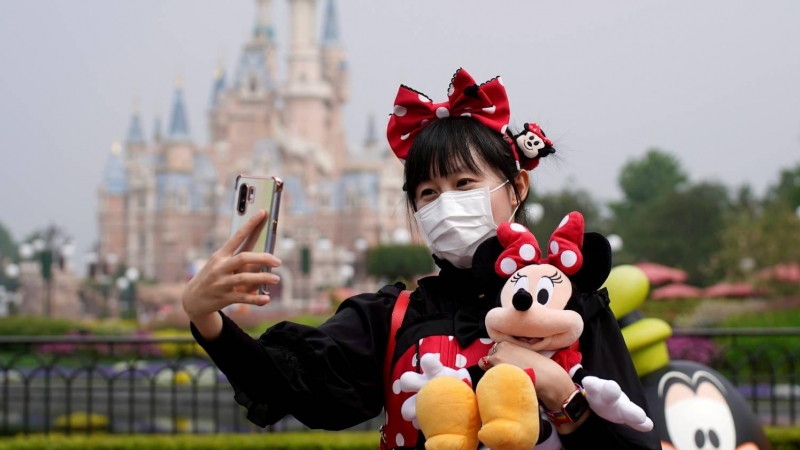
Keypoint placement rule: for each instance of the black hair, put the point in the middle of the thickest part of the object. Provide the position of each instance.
(452, 144)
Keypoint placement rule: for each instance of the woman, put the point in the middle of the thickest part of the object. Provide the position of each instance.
(462, 177)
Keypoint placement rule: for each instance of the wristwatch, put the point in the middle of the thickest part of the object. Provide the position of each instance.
(573, 408)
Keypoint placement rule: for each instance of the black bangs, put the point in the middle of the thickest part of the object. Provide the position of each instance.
(452, 145)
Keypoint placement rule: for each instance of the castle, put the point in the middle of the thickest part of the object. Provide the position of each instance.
(165, 203)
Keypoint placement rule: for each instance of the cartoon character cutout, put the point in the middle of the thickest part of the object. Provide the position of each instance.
(697, 413)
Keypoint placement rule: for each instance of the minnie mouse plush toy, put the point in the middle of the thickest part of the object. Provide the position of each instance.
(540, 308)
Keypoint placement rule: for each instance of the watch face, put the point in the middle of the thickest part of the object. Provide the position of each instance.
(576, 407)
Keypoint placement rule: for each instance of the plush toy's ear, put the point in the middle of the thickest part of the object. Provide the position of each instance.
(483, 265)
(596, 263)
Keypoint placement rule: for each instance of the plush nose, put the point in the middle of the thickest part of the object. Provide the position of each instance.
(522, 300)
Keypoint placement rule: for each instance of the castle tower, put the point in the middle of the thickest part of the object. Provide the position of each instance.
(243, 112)
(173, 172)
(138, 165)
(112, 203)
(334, 71)
(135, 142)
(334, 64)
(306, 95)
(264, 33)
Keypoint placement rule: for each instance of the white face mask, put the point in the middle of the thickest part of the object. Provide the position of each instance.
(457, 222)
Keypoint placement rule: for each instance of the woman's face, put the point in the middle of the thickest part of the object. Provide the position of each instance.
(503, 200)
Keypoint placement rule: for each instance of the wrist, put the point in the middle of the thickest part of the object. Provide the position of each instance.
(554, 397)
(208, 325)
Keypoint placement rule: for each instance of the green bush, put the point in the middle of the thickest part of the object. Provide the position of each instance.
(781, 439)
(784, 438)
(276, 441)
(399, 262)
(37, 326)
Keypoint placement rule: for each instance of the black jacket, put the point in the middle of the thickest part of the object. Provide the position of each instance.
(331, 378)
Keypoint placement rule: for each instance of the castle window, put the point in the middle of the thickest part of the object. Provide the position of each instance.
(253, 84)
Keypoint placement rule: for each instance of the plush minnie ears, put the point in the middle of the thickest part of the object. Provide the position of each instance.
(596, 252)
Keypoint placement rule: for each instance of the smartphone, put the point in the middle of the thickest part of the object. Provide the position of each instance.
(252, 194)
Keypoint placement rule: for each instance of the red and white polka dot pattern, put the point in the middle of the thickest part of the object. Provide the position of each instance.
(487, 103)
(522, 249)
(400, 432)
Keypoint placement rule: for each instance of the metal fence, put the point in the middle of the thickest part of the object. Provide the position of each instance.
(763, 363)
(87, 384)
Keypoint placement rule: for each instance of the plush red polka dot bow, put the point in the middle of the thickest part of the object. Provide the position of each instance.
(522, 249)
(487, 103)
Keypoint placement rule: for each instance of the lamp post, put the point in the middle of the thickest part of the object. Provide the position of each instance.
(127, 289)
(9, 298)
(52, 247)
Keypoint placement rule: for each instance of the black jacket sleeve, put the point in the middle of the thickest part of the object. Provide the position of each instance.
(328, 377)
(605, 355)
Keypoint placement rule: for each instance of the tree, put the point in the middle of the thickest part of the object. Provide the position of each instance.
(787, 190)
(558, 204)
(769, 237)
(654, 175)
(8, 254)
(682, 229)
(8, 248)
(399, 262)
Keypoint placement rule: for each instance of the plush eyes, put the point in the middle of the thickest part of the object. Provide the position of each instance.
(522, 283)
(544, 290)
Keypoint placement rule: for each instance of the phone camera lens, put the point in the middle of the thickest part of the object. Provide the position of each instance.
(242, 198)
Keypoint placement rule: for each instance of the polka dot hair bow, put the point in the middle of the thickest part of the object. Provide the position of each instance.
(487, 103)
(522, 249)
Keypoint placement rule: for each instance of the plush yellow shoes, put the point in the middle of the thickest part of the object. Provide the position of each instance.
(450, 415)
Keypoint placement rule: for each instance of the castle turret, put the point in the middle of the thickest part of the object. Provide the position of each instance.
(307, 95)
(334, 64)
(179, 123)
(218, 88)
(112, 205)
(178, 153)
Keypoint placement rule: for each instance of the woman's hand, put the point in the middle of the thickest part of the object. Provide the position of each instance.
(226, 279)
(553, 383)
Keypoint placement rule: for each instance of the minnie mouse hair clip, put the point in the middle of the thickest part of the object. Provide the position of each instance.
(530, 145)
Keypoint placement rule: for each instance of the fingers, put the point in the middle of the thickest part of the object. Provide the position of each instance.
(632, 414)
(610, 392)
(409, 408)
(430, 364)
(412, 382)
(248, 280)
(241, 234)
(248, 299)
(249, 259)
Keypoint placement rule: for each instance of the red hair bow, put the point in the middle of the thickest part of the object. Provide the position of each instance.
(522, 249)
(487, 103)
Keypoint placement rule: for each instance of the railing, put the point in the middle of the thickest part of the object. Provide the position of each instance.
(763, 363)
(166, 385)
(118, 385)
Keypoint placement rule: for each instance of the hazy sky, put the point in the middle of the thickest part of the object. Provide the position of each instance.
(716, 82)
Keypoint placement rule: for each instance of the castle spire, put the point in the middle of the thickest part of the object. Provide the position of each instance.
(115, 178)
(219, 84)
(135, 131)
(330, 34)
(179, 124)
